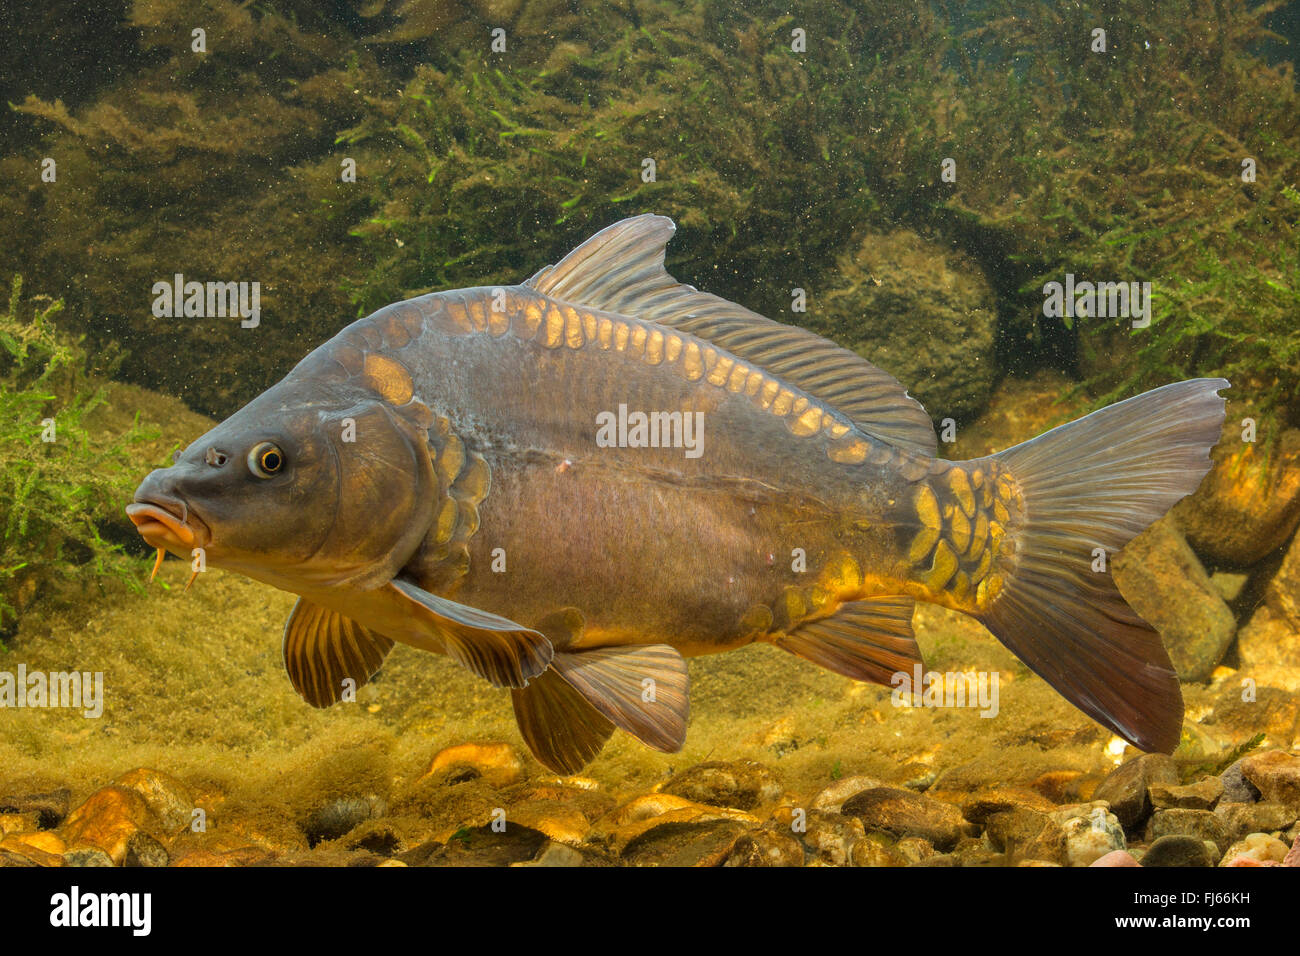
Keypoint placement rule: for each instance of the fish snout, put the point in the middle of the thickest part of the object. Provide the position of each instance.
(163, 518)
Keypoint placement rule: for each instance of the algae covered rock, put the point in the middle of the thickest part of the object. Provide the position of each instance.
(743, 784)
(920, 311)
(1178, 850)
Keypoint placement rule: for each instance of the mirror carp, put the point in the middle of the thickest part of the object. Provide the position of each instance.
(571, 484)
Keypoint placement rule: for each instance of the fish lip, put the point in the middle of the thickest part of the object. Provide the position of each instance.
(167, 524)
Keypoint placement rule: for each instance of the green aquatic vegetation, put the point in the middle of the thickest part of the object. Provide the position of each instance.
(57, 482)
(1190, 772)
(1127, 165)
(716, 128)
(476, 167)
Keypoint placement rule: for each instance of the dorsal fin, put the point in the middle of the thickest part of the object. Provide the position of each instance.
(621, 270)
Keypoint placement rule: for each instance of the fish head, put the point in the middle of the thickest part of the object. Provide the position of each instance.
(300, 495)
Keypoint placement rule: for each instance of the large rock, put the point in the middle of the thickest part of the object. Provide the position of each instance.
(1246, 507)
(919, 311)
(1162, 579)
(1283, 593)
(1268, 638)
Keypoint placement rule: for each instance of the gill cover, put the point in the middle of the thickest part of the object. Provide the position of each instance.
(386, 486)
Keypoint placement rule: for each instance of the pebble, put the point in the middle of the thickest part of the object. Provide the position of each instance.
(107, 821)
(1125, 788)
(1202, 795)
(87, 856)
(902, 813)
(1026, 835)
(914, 849)
(144, 850)
(742, 784)
(649, 812)
(50, 808)
(553, 854)
(1116, 858)
(702, 843)
(1201, 824)
(1240, 819)
(169, 798)
(1255, 849)
(1276, 774)
(1091, 832)
(497, 764)
(829, 838)
(42, 849)
(339, 817)
(1236, 788)
(561, 822)
(767, 847)
(978, 807)
(1059, 786)
(831, 798)
(18, 823)
(1177, 850)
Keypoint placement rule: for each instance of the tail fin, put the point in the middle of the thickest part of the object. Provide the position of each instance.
(1096, 483)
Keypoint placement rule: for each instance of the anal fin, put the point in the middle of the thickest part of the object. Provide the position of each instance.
(867, 640)
(322, 649)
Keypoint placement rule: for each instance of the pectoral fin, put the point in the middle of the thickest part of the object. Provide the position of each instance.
(500, 651)
(322, 649)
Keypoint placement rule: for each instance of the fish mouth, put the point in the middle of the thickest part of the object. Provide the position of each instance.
(169, 525)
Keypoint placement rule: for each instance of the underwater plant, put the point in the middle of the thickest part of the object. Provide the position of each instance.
(57, 482)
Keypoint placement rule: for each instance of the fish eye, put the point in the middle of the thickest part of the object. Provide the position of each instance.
(265, 459)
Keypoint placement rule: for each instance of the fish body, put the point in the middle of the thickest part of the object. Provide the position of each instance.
(570, 484)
